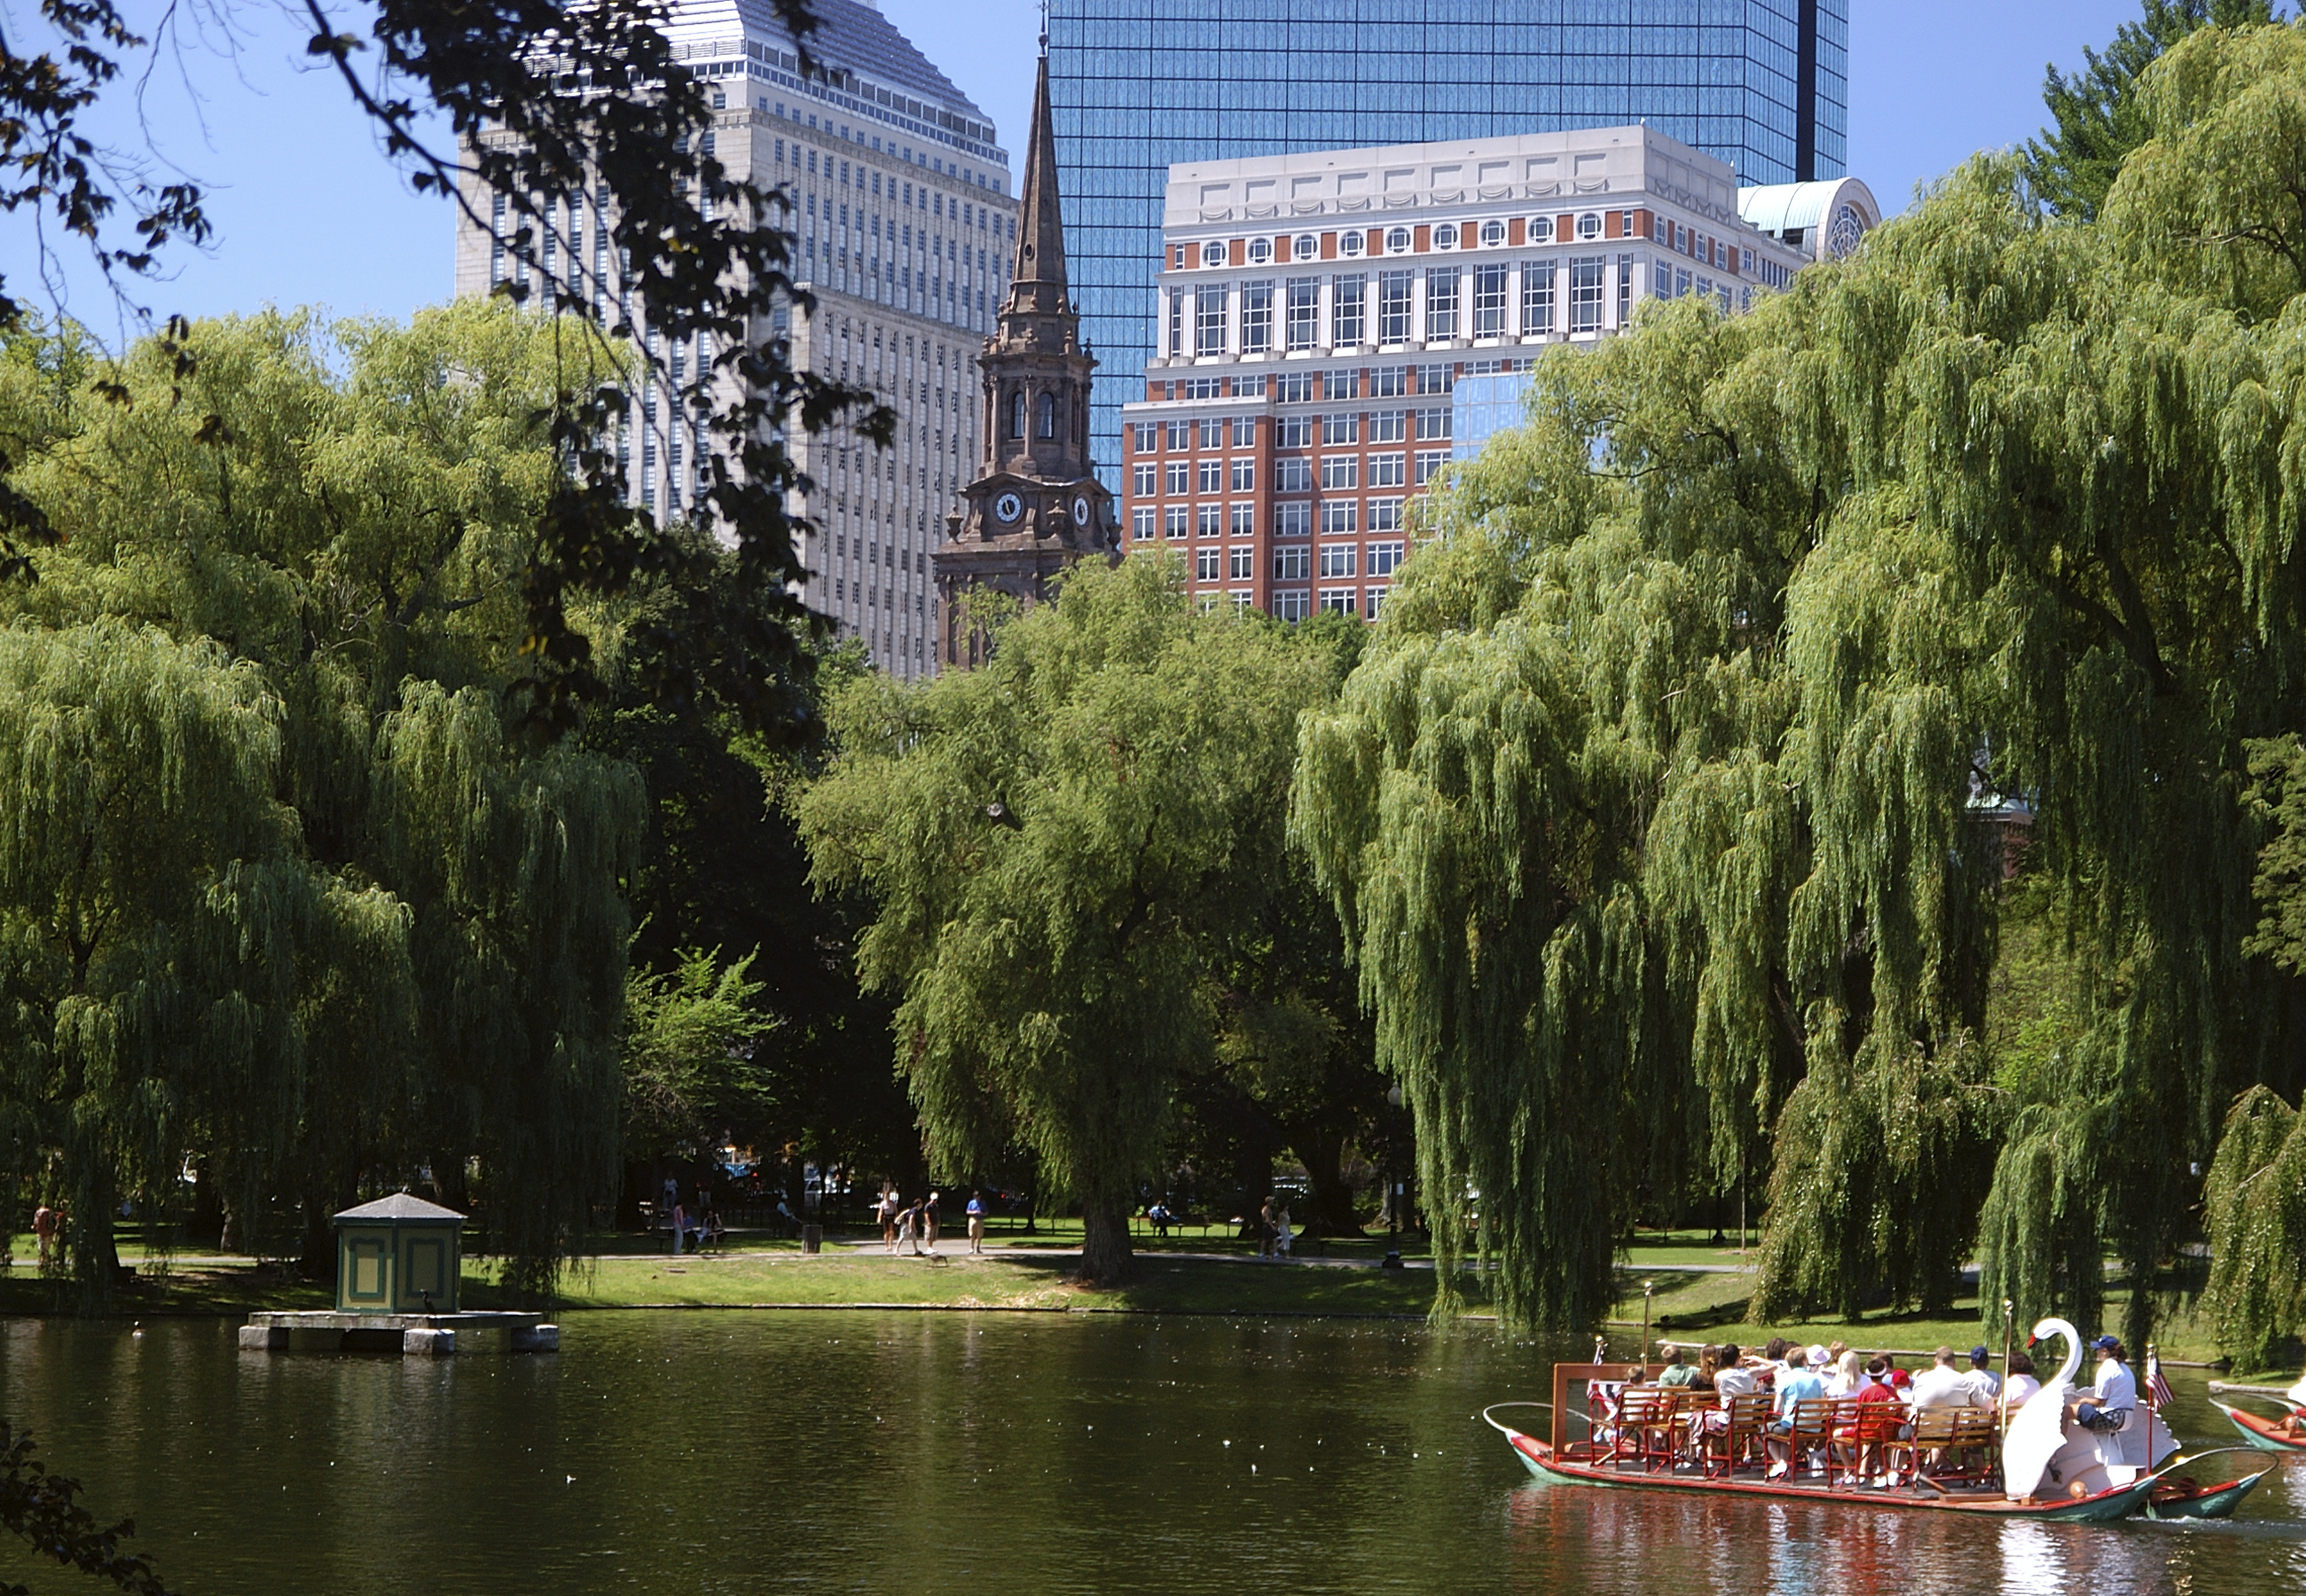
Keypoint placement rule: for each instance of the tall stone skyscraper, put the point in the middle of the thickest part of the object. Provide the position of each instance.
(1761, 84)
(901, 206)
(1036, 507)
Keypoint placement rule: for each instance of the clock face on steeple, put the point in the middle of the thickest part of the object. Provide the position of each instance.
(1007, 509)
(1080, 509)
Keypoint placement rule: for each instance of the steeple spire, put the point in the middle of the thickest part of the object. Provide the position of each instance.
(1039, 287)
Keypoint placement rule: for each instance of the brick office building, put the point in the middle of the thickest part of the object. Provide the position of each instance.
(1316, 311)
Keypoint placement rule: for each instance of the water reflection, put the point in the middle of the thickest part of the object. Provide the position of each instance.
(714, 1452)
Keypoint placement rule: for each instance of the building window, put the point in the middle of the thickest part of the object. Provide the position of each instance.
(1180, 436)
(1536, 297)
(1337, 600)
(1244, 476)
(1625, 289)
(1489, 301)
(1245, 431)
(1017, 413)
(1293, 562)
(1212, 476)
(1388, 382)
(1293, 431)
(1661, 279)
(1436, 380)
(1180, 475)
(1385, 471)
(1143, 480)
(1341, 471)
(1341, 384)
(1397, 241)
(1147, 436)
(1376, 602)
(1207, 563)
(1048, 415)
(1177, 321)
(1339, 518)
(1293, 388)
(1140, 524)
(1384, 514)
(1393, 307)
(1241, 564)
(1209, 318)
(1213, 253)
(1585, 273)
(1541, 229)
(1213, 431)
(1260, 251)
(1173, 521)
(1442, 303)
(1293, 518)
(1493, 233)
(1348, 312)
(1384, 558)
(1256, 317)
(1304, 311)
(1445, 236)
(1292, 605)
(1389, 426)
(1292, 474)
(1430, 462)
(1244, 519)
(1341, 429)
(1589, 225)
(1208, 520)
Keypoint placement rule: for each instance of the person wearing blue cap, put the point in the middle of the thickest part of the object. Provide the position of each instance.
(2112, 1396)
(1982, 1378)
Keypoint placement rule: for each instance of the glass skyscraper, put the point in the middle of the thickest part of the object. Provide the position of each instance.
(1137, 84)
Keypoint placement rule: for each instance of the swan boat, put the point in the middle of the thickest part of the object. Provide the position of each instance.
(2264, 1434)
(2051, 1468)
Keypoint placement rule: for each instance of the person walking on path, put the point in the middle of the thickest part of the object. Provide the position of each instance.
(1265, 1228)
(888, 1219)
(907, 1228)
(1283, 1236)
(977, 1222)
(929, 1222)
(44, 1229)
(680, 1224)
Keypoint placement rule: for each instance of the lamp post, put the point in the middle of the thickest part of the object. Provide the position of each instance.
(1648, 1287)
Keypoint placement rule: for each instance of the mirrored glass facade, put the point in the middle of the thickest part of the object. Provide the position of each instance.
(1137, 84)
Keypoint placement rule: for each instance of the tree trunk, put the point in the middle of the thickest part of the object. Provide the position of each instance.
(1107, 1258)
(1323, 1154)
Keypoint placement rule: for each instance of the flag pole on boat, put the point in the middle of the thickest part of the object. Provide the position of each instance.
(2153, 1372)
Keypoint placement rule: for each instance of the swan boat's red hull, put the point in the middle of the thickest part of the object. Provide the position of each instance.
(1574, 1466)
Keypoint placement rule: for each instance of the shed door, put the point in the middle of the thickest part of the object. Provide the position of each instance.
(364, 1280)
(427, 1270)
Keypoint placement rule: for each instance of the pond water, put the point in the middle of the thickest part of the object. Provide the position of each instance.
(947, 1452)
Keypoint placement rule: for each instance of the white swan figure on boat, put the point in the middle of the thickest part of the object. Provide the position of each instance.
(2044, 1453)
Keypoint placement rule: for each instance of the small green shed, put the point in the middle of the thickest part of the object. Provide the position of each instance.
(398, 1254)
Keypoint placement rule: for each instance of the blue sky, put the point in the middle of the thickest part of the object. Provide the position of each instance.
(309, 211)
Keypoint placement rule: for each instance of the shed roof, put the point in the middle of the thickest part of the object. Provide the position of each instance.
(401, 1206)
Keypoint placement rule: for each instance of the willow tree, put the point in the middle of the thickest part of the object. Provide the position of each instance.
(1057, 842)
(156, 923)
(349, 544)
(1654, 792)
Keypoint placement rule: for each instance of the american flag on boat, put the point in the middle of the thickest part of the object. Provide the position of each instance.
(2157, 1389)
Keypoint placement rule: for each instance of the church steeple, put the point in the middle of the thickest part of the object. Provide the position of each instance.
(1036, 507)
(1038, 288)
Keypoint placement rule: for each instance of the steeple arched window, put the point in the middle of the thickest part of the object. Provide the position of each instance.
(1017, 413)
(1048, 415)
